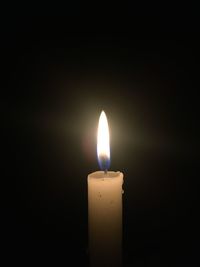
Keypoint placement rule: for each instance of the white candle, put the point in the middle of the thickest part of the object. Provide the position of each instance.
(105, 206)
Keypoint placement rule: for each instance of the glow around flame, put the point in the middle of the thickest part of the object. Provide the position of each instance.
(103, 142)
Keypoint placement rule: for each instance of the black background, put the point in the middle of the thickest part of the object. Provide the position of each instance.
(58, 75)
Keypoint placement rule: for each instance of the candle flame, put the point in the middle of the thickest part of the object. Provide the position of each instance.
(103, 142)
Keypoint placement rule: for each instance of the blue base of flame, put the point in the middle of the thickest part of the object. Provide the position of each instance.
(104, 163)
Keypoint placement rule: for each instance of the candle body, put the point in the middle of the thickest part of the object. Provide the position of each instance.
(105, 218)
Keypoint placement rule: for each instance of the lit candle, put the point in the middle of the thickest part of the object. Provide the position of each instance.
(105, 205)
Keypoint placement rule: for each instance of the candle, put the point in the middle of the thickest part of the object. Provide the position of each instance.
(104, 205)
